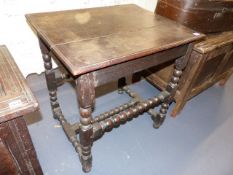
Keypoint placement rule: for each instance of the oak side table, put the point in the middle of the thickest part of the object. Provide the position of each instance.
(17, 154)
(98, 45)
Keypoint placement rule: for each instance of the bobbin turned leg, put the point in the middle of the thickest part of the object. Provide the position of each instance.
(172, 86)
(50, 78)
(86, 96)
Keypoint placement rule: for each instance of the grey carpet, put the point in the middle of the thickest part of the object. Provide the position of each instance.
(198, 142)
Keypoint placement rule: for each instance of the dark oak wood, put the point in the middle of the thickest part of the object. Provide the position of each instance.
(90, 39)
(205, 16)
(100, 45)
(86, 96)
(211, 61)
(8, 165)
(17, 154)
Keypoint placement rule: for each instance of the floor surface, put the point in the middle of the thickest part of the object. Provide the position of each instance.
(198, 142)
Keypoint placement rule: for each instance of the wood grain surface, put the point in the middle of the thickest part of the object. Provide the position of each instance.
(90, 39)
(207, 16)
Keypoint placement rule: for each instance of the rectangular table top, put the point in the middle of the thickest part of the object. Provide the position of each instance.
(16, 99)
(90, 39)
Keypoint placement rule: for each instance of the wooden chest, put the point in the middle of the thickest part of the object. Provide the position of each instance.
(211, 61)
(202, 15)
(17, 154)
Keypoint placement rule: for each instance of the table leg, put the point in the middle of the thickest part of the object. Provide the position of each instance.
(136, 77)
(50, 78)
(86, 96)
(121, 84)
(171, 88)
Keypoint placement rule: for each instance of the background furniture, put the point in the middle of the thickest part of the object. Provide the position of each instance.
(205, 16)
(211, 60)
(17, 154)
(100, 45)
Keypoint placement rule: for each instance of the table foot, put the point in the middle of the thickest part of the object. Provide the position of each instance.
(160, 117)
(86, 164)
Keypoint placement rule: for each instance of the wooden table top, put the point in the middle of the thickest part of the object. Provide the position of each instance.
(16, 99)
(90, 39)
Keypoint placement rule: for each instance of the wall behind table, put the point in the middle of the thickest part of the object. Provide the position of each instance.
(22, 42)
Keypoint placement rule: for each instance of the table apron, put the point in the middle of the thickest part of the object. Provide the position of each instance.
(105, 75)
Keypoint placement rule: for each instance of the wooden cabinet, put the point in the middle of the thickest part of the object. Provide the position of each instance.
(211, 61)
(17, 154)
